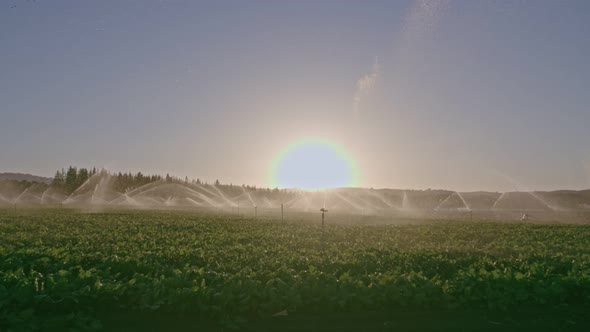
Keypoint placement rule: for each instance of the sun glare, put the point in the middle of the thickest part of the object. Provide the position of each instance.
(313, 164)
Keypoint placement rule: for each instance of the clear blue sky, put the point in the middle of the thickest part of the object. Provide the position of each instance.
(465, 95)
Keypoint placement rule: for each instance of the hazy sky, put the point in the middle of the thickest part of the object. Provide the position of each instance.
(464, 95)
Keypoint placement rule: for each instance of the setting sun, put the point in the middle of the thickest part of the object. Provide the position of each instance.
(313, 164)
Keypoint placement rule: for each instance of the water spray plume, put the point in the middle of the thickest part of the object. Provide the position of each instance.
(364, 85)
(98, 192)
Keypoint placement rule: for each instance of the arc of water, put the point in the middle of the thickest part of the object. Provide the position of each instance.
(374, 194)
(521, 187)
(43, 195)
(448, 197)
(369, 205)
(443, 202)
(99, 193)
(157, 202)
(248, 195)
(37, 197)
(16, 200)
(238, 197)
(542, 201)
(128, 200)
(405, 201)
(83, 186)
(231, 204)
(208, 200)
(498, 200)
(56, 197)
(93, 193)
(146, 191)
(143, 188)
(463, 200)
(300, 197)
(140, 194)
(204, 197)
(348, 201)
(212, 193)
(293, 200)
(122, 200)
(168, 201)
(193, 201)
(265, 202)
(4, 199)
(144, 194)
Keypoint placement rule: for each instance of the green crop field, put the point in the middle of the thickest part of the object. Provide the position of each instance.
(163, 271)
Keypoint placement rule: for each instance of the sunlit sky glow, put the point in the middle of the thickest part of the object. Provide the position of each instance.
(461, 95)
(313, 164)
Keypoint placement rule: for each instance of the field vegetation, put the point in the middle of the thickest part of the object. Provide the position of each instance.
(61, 269)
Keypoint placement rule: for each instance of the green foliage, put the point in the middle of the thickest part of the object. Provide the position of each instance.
(70, 267)
(71, 179)
(82, 177)
(127, 181)
(59, 180)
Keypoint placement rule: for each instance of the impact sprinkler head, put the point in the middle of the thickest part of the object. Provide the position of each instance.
(323, 210)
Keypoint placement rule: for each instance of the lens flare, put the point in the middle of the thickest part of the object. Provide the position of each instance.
(313, 164)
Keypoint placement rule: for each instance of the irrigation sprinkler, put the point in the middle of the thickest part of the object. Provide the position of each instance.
(282, 213)
(255, 212)
(323, 227)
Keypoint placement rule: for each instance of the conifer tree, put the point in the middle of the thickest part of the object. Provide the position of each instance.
(82, 177)
(59, 179)
(71, 179)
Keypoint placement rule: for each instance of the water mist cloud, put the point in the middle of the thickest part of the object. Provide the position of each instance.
(364, 85)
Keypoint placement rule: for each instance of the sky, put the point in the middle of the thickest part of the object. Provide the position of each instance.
(460, 95)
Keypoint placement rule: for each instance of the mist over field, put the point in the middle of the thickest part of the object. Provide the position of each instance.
(103, 190)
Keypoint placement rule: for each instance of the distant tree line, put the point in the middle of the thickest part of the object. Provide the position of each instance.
(68, 181)
(126, 181)
(73, 178)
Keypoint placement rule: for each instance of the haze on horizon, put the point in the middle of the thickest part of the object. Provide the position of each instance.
(460, 95)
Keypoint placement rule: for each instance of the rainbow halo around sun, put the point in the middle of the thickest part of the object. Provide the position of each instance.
(313, 164)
